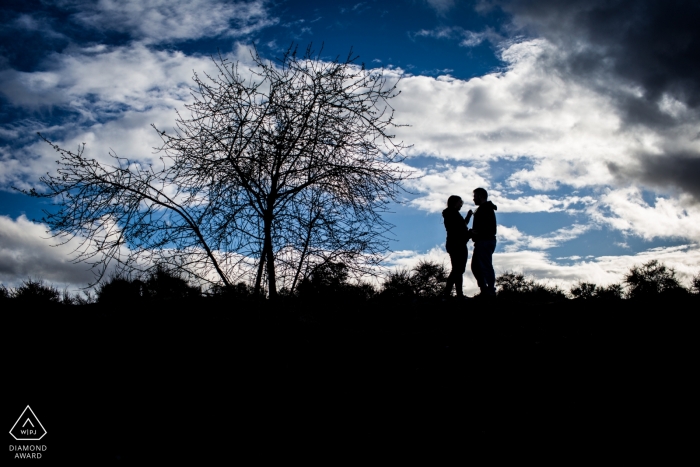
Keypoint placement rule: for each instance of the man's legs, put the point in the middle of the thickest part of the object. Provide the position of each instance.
(459, 265)
(482, 266)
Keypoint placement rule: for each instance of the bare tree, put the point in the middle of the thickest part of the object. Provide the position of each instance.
(290, 168)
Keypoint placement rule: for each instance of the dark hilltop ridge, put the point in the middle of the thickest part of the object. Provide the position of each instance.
(334, 374)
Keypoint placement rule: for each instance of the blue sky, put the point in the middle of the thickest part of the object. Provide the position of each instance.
(581, 119)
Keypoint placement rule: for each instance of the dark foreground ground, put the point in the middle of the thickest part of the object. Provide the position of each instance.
(288, 382)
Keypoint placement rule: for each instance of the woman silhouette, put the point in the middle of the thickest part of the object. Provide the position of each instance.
(456, 244)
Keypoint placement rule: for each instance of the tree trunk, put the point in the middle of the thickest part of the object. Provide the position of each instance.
(303, 252)
(272, 287)
(261, 266)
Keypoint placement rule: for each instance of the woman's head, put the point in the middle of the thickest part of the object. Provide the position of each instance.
(454, 201)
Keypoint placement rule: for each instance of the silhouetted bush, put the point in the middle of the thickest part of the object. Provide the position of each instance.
(398, 285)
(160, 284)
(325, 279)
(651, 279)
(515, 286)
(119, 289)
(610, 292)
(331, 280)
(584, 290)
(695, 284)
(35, 291)
(587, 291)
(4, 293)
(84, 298)
(425, 280)
(240, 290)
(429, 279)
(168, 285)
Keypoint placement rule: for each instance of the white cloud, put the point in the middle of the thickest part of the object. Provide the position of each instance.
(539, 203)
(515, 240)
(26, 251)
(444, 181)
(438, 183)
(155, 21)
(116, 93)
(571, 133)
(627, 211)
(100, 80)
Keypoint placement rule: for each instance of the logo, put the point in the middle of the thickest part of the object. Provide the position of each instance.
(27, 427)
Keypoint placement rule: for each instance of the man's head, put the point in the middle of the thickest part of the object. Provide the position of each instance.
(454, 202)
(480, 196)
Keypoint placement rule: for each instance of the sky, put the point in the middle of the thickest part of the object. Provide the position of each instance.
(580, 118)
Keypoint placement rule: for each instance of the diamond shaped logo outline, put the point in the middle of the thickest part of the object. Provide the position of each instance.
(35, 418)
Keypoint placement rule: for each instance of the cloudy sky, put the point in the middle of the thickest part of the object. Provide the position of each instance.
(580, 118)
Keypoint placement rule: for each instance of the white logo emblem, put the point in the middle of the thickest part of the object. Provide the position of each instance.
(28, 427)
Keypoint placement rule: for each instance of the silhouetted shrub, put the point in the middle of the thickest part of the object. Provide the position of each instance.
(584, 290)
(397, 285)
(84, 298)
(587, 290)
(515, 286)
(240, 290)
(160, 284)
(610, 292)
(168, 285)
(325, 279)
(35, 291)
(120, 289)
(426, 279)
(4, 293)
(511, 283)
(361, 292)
(695, 284)
(331, 280)
(651, 279)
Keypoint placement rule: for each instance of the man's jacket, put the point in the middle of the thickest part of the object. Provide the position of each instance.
(457, 231)
(484, 226)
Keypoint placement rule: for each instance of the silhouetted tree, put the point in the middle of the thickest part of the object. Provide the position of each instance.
(650, 279)
(295, 162)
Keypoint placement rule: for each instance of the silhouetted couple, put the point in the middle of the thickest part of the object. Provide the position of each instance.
(482, 233)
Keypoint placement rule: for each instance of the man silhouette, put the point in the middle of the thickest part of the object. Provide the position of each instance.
(483, 233)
